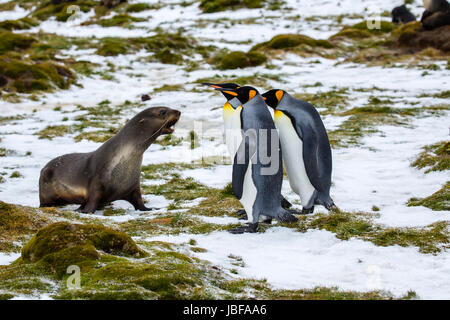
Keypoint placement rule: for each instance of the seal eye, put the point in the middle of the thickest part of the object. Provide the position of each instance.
(163, 113)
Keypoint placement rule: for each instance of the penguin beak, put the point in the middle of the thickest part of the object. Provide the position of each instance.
(215, 86)
(228, 91)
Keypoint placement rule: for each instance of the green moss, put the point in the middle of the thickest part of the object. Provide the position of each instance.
(362, 121)
(51, 132)
(169, 87)
(435, 157)
(323, 293)
(15, 174)
(385, 27)
(17, 222)
(346, 225)
(113, 212)
(169, 140)
(6, 296)
(352, 33)
(138, 7)
(30, 77)
(332, 100)
(438, 201)
(209, 6)
(120, 20)
(46, 10)
(99, 136)
(20, 24)
(285, 41)
(405, 31)
(112, 47)
(11, 41)
(239, 59)
(167, 56)
(62, 244)
(168, 48)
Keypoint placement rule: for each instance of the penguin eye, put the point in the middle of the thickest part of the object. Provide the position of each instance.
(163, 113)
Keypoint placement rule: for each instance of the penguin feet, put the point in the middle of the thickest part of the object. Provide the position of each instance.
(285, 204)
(333, 208)
(308, 211)
(268, 221)
(247, 228)
(242, 215)
(286, 217)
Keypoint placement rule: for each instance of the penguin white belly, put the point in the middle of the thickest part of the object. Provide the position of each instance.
(292, 147)
(233, 139)
(232, 126)
(248, 193)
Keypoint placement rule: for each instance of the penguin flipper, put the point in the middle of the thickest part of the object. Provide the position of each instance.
(240, 165)
(310, 153)
(239, 171)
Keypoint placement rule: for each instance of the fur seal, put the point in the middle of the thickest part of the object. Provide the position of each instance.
(110, 173)
(401, 14)
(436, 14)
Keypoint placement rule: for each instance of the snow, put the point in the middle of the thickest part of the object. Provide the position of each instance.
(290, 260)
(16, 13)
(7, 258)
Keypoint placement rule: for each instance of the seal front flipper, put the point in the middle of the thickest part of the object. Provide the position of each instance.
(135, 199)
(247, 228)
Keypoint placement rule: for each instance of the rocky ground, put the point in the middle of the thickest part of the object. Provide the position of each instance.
(68, 83)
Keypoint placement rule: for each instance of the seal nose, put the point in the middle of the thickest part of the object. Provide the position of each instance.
(178, 113)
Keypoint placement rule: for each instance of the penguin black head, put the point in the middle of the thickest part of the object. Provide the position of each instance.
(219, 86)
(243, 94)
(273, 97)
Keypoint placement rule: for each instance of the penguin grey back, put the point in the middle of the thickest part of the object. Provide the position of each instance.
(316, 147)
(260, 145)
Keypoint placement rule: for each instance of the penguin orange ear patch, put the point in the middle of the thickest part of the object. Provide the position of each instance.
(232, 93)
(279, 95)
(251, 94)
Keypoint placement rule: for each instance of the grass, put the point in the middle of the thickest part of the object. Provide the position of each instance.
(363, 121)
(16, 223)
(435, 157)
(345, 225)
(239, 60)
(162, 271)
(209, 6)
(438, 201)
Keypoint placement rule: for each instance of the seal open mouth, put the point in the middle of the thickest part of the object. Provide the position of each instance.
(168, 128)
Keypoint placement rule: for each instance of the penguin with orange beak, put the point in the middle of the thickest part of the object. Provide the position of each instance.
(306, 149)
(257, 163)
(232, 125)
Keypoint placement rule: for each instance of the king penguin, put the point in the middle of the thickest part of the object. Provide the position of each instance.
(257, 176)
(232, 126)
(306, 149)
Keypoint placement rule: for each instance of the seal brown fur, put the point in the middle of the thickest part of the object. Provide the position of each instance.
(110, 173)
